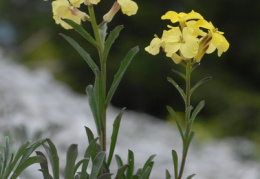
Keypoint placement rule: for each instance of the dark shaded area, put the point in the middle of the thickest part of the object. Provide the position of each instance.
(28, 32)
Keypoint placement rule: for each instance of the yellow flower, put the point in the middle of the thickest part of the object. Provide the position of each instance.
(154, 46)
(128, 7)
(181, 17)
(218, 41)
(62, 9)
(184, 41)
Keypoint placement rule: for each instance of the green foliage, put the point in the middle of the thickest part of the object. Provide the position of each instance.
(12, 165)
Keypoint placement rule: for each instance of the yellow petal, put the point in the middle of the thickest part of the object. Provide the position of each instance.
(205, 24)
(171, 48)
(76, 3)
(154, 46)
(172, 15)
(128, 7)
(176, 58)
(190, 46)
(172, 35)
(192, 15)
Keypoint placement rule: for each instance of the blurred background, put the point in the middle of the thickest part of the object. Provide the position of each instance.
(29, 35)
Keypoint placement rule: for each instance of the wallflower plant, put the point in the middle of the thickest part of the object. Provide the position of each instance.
(185, 41)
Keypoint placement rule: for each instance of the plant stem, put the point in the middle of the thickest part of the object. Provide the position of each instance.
(100, 44)
(187, 119)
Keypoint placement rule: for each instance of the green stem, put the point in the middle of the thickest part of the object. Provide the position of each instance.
(100, 48)
(187, 119)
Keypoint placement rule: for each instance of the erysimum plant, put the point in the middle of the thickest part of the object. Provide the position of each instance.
(67, 13)
(186, 43)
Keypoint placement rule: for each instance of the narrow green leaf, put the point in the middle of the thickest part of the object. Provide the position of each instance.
(97, 164)
(196, 112)
(90, 134)
(131, 162)
(120, 172)
(94, 107)
(178, 88)
(81, 31)
(72, 155)
(190, 137)
(180, 74)
(110, 40)
(199, 83)
(44, 166)
(105, 176)
(168, 175)
(149, 162)
(90, 151)
(135, 177)
(103, 32)
(190, 177)
(174, 116)
(82, 52)
(100, 92)
(31, 149)
(53, 157)
(25, 164)
(77, 165)
(17, 157)
(175, 163)
(116, 127)
(119, 75)
(146, 172)
(119, 161)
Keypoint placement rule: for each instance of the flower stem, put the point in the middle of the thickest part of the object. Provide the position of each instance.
(187, 119)
(100, 48)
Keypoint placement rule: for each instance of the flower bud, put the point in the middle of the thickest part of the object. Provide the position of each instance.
(111, 13)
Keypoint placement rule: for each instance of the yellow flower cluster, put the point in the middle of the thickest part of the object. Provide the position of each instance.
(192, 38)
(68, 9)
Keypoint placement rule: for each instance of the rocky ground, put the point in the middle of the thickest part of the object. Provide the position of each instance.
(34, 100)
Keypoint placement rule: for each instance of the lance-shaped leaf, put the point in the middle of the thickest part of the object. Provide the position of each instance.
(97, 164)
(94, 107)
(119, 161)
(28, 162)
(174, 116)
(199, 83)
(53, 157)
(131, 161)
(110, 40)
(44, 166)
(178, 88)
(82, 52)
(120, 172)
(146, 173)
(190, 177)
(189, 139)
(180, 74)
(81, 31)
(196, 112)
(90, 151)
(175, 163)
(125, 63)
(103, 32)
(72, 155)
(105, 176)
(168, 175)
(116, 126)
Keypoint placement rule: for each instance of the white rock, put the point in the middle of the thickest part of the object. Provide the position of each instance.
(40, 103)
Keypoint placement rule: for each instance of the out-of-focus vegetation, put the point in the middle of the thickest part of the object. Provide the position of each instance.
(28, 32)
